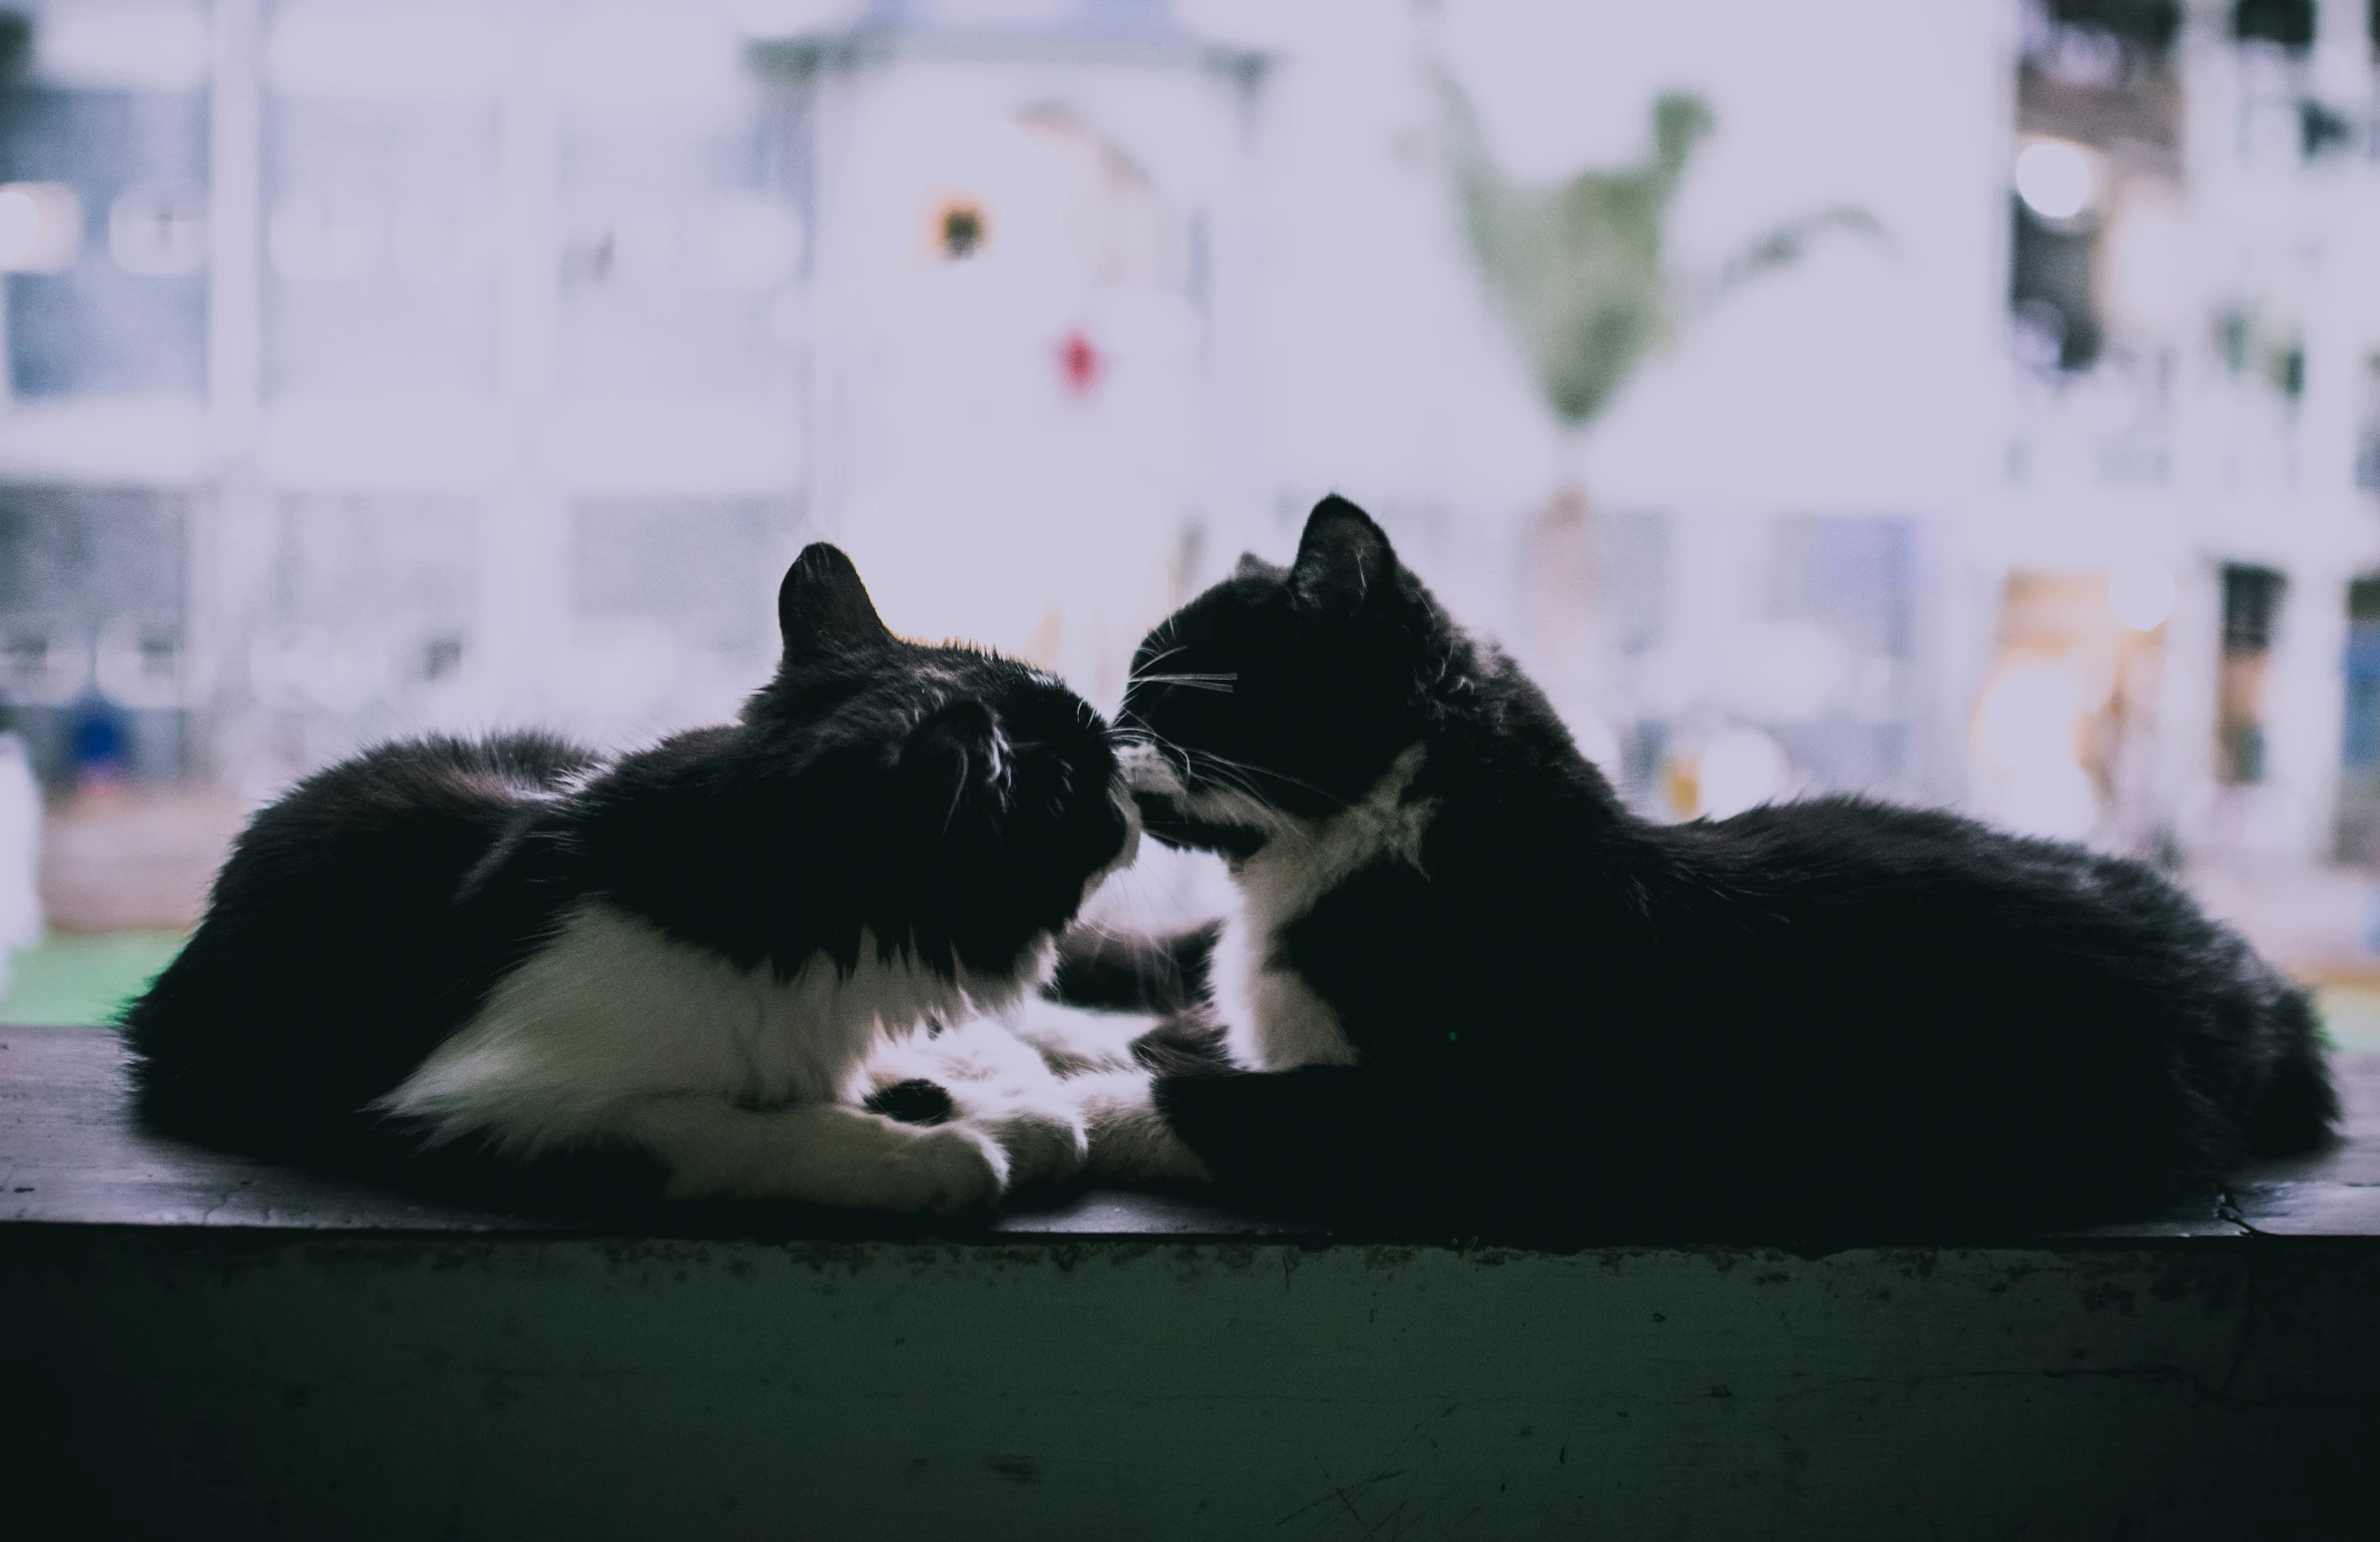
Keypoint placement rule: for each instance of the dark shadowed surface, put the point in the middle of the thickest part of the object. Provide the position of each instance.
(198, 1345)
(70, 1154)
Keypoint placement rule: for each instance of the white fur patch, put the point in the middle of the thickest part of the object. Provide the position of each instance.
(1070, 1040)
(612, 1029)
(1272, 1020)
(823, 1153)
(998, 1084)
(1056, 1087)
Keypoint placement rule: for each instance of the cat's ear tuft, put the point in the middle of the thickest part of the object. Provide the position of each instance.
(1253, 566)
(1344, 561)
(823, 607)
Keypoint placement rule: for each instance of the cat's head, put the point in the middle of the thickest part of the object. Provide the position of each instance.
(970, 801)
(1285, 691)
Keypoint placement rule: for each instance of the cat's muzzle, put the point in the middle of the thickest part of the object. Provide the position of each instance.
(1175, 814)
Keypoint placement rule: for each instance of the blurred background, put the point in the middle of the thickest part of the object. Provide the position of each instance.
(1973, 403)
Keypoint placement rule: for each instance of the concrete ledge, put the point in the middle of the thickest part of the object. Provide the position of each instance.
(1128, 1367)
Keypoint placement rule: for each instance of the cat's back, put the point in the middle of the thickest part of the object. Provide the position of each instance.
(409, 783)
(396, 827)
(2092, 987)
(1890, 901)
(1881, 861)
(334, 951)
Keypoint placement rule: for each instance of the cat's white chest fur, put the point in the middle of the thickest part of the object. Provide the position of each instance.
(612, 1011)
(1272, 1020)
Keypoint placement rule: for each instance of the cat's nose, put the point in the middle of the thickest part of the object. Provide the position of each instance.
(1145, 769)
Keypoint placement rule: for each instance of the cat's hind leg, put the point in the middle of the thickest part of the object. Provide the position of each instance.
(1129, 1138)
(818, 1152)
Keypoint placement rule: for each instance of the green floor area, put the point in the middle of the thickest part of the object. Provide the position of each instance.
(74, 981)
(69, 980)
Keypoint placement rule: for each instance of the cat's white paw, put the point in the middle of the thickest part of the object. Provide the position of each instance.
(1047, 1142)
(945, 1169)
(1129, 1138)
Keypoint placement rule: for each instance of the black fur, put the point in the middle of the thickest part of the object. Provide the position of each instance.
(914, 1102)
(1824, 1014)
(1118, 972)
(947, 800)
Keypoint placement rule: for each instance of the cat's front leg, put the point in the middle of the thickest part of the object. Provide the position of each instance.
(818, 1152)
(1311, 1134)
(1130, 1137)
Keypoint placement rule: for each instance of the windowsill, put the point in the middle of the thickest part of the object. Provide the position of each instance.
(277, 1353)
(70, 1155)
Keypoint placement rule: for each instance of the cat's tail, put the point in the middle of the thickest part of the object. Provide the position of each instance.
(2297, 1109)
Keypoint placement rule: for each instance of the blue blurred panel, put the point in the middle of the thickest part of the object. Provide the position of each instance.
(81, 555)
(156, 745)
(1636, 580)
(1640, 752)
(2359, 749)
(95, 327)
(74, 560)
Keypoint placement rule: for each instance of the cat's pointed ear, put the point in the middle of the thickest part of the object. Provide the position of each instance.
(823, 608)
(1343, 559)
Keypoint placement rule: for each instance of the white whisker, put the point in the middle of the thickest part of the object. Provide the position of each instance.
(1217, 766)
(1223, 682)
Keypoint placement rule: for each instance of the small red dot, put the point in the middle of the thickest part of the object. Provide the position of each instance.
(1078, 363)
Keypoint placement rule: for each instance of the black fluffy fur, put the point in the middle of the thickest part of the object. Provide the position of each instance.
(945, 800)
(1118, 972)
(1817, 1016)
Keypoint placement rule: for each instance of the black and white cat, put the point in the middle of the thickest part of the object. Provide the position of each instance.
(514, 944)
(1464, 981)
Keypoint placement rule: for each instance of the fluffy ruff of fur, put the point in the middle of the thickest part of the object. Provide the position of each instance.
(510, 951)
(1468, 989)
